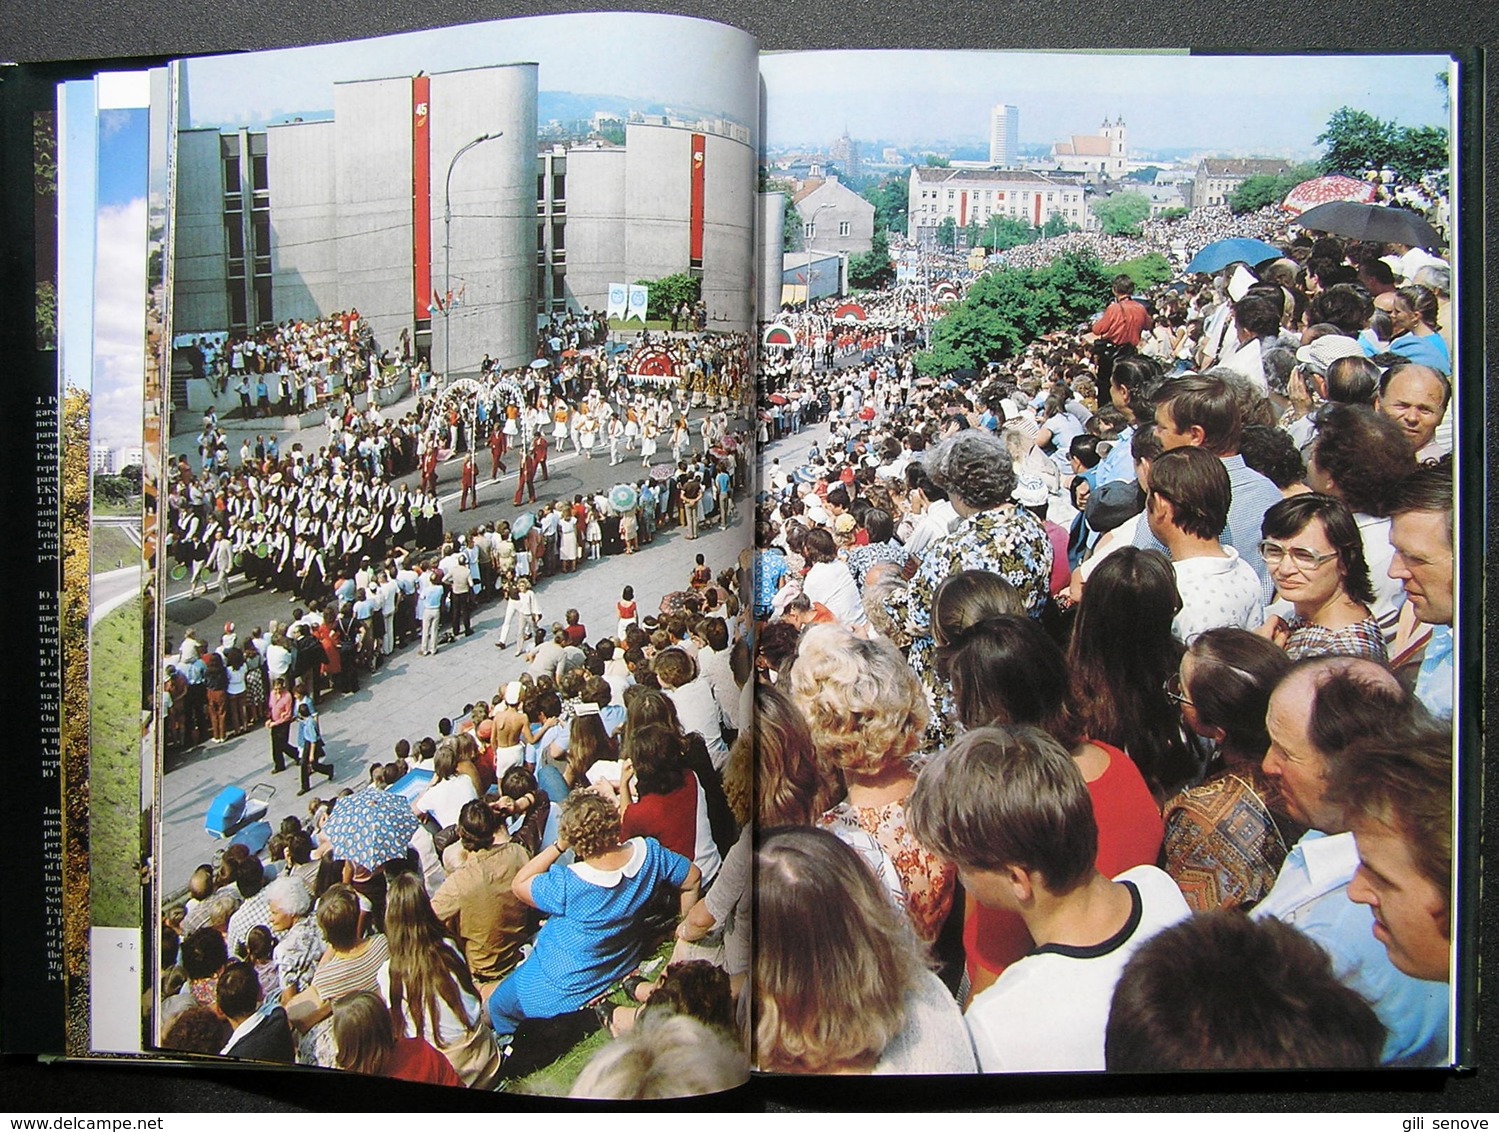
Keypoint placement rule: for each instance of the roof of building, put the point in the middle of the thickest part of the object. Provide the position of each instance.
(1084, 145)
(1243, 166)
(932, 175)
(832, 188)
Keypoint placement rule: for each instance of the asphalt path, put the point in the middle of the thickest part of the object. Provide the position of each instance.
(410, 693)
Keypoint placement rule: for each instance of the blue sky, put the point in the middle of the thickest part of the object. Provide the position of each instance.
(673, 60)
(1244, 104)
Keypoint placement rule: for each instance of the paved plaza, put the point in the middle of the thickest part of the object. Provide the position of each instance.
(407, 697)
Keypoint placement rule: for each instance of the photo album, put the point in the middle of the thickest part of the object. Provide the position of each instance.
(1075, 671)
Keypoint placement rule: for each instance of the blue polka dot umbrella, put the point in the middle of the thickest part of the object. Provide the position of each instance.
(370, 827)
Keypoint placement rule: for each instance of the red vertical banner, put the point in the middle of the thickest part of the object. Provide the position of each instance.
(695, 221)
(963, 210)
(421, 196)
(1037, 222)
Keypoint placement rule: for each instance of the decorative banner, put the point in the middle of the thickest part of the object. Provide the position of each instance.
(779, 334)
(421, 194)
(945, 293)
(699, 141)
(654, 363)
(639, 299)
(851, 312)
(619, 297)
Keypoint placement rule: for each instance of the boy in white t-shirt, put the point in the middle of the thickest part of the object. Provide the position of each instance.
(1009, 807)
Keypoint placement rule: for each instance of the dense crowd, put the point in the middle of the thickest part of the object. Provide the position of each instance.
(1099, 707)
(580, 863)
(1079, 678)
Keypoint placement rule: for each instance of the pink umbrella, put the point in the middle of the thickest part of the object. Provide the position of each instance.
(1320, 190)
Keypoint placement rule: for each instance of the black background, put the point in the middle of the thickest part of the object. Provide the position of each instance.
(37, 30)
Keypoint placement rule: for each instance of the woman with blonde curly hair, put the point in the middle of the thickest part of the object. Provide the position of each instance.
(594, 908)
(841, 983)
(866, 712)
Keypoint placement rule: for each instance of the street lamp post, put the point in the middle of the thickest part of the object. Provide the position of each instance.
(447, 252)
(811, 229)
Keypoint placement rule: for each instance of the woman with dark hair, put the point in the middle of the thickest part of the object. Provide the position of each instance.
(1315, 555)
(1006, 671)
(829, 581)
(659, 797)
(1120, 654)
(1224, 846)
(427, 984)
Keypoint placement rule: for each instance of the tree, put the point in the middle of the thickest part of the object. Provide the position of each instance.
(935, 161)
(1005, 232)
(611, 130)
(1147, 271)
(669, 292)
(1121, 214)
(947, 234)
(1173, 213)
(1264, 189)
(791, 228)
(1057, 225)
(1356, 142)
(1420, 151)
(873, 269)
(971, 234)
(891, 199)
(1359, 143)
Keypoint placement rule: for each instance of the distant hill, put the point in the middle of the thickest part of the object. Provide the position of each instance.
(567, 106)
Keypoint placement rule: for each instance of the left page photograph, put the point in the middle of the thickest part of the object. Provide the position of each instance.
(451, 650)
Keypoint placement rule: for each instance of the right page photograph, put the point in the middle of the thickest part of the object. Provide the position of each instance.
(1108, 588)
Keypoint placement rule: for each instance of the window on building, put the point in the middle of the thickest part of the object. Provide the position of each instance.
(238, 316)
(231, 174)
(559, 237)
(234, 240)
(260, 173)
(559, 186)
(541, 187)
(844, 227)
(263, 299)
(809, 231)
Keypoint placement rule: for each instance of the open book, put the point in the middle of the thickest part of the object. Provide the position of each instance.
(573, 446)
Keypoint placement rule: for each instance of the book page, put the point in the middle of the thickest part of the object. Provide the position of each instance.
(1110, 440)
(457, 451)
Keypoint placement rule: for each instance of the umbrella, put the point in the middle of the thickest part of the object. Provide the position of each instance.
(1374, 222)
(776, 399)
(729, 443)
(805, 474)
(540, 363)
(522, 525)
(661, 471)
(569, 353)
(370, 827)
(623, 497)
(1220, 253)
(1320, 190)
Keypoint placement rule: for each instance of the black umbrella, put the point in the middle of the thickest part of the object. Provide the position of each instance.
(1372, 222)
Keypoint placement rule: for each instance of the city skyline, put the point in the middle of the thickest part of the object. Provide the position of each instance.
(925, 98)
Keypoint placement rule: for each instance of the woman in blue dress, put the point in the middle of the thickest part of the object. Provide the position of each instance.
(597, 927)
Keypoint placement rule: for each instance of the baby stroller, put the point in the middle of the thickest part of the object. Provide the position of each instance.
(240, 817)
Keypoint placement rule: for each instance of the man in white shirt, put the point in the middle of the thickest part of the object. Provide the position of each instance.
(1010, 808)
(1187, 506)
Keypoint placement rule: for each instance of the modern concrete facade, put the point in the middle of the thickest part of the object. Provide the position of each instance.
(772, 253)
(630, 215)
(308, 218)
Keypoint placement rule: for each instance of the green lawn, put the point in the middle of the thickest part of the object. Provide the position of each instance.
(111, 548)
(131, 507)
(115, 768)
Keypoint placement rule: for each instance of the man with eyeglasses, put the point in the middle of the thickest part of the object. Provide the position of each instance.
(1421, 534)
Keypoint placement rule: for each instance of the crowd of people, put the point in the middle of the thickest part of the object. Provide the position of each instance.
(1091, 712)
(580, 863)
(1088, 687)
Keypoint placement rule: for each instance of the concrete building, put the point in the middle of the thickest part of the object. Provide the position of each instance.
(1218, 177)
(1098, 157)
(101, 459)
(974, 195)
(770, 275)
(307, 218)
(834, 217)
(1004, 136)
(677, 198)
